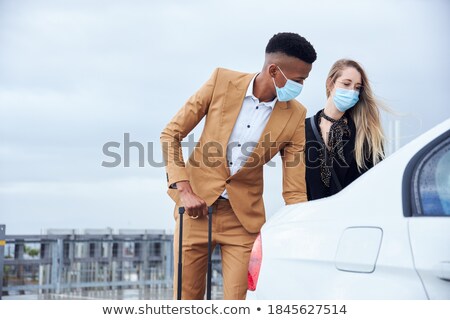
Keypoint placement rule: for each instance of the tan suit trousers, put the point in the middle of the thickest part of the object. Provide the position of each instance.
(235, 242)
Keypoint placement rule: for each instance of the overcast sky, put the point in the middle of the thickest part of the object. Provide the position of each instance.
(75, 75)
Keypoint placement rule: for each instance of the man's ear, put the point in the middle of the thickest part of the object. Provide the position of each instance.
(272, 69)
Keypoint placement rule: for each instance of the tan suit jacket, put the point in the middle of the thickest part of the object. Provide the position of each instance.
(220, 100)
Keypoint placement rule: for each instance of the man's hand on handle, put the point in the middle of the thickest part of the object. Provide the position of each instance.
(194, 206)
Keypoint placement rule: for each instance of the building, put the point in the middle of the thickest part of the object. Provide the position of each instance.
(96, 264)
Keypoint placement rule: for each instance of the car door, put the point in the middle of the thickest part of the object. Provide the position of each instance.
(426, 192)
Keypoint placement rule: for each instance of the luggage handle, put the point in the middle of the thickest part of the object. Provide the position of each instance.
(181, 211)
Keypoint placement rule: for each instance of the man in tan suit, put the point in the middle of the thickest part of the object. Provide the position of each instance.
(249, 119)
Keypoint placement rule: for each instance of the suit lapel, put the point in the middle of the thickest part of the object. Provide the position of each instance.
(232, 105)
(230, 111)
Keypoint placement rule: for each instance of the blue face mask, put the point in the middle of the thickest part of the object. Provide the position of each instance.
(345, 99)
(290, 90)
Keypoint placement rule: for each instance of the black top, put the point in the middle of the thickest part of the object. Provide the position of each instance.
(346, 172)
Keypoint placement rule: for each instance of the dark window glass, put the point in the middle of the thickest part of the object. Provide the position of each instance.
(157, 247)
(91, 250)
(432, 182)
(137, 249)
(66, 250)
(115, 250)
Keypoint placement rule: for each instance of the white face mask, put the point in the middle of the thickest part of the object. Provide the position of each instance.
(290, 90)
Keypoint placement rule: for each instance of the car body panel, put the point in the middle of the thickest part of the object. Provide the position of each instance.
(429, 235)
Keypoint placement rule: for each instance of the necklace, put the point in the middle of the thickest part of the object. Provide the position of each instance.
(323, 115)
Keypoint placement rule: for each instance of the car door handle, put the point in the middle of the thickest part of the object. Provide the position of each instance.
(443, 270)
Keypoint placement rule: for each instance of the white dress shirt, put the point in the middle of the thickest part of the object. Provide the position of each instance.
(247, 130)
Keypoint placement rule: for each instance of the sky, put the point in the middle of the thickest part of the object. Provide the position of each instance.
(76, 75)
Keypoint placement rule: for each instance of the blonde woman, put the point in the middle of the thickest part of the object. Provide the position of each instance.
(345, 138)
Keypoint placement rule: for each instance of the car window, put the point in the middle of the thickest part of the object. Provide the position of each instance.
(431, 182)
(443, 181)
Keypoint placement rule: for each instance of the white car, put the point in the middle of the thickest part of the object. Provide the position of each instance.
(385, 236)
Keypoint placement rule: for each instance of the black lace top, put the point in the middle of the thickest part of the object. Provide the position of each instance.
(339, 131)
(338, 154)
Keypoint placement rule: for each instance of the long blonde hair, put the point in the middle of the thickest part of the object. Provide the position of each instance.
(370, 139)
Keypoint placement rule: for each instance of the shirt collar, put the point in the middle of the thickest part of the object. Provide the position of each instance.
(249, 93)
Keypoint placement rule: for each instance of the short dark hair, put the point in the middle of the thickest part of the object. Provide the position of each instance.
(292, 44)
